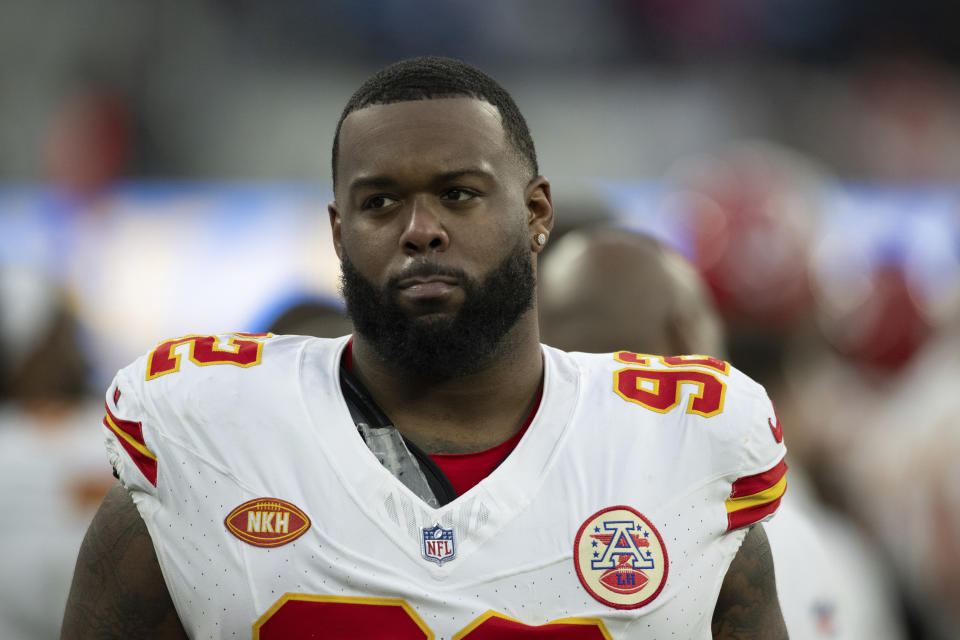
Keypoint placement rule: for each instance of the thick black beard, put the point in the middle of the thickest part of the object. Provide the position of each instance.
(436, 347)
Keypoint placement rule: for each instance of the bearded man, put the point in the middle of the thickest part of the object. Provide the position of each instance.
(440, 473)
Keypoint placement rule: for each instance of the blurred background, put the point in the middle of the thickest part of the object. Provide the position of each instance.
(164, 170)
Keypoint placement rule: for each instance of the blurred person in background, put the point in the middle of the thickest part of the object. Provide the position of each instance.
(746, 215)
(89, 142)
(315, 316)
(52, 476)
(852, 343)
(887, 438)
(604, 289)
(277, 494)
(833, 323)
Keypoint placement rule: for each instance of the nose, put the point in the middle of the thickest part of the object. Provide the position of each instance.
(424, 229)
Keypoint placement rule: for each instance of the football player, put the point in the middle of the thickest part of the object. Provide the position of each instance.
(439, 473)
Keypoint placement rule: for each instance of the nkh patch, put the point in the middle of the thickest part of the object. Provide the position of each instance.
(620, 558)
(267, 522)
(438, 544)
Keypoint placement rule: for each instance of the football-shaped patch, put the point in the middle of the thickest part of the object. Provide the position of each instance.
(267, 522)
(620, 558)
(624, 578)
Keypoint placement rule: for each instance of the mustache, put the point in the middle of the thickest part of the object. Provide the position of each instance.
(426, 268)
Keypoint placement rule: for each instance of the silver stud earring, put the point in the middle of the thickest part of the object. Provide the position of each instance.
(541, 239)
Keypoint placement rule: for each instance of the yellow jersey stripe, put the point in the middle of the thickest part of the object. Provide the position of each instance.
(754, 499)
(129, 439)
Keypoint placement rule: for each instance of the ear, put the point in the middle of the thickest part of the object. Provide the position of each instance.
(335, 227)
(539, 211)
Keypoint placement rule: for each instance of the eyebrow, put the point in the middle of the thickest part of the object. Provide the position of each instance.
(385, 182)
(373, 182)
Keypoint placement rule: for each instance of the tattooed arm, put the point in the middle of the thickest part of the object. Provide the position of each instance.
(748, 608)
(118, 590)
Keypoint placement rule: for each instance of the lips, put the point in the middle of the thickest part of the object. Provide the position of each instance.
(427, 288)
(416, 281)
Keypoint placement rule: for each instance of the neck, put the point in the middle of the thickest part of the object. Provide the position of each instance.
(468, 413)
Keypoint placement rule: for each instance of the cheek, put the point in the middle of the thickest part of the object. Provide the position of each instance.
(509, 233)
(481, 250)
(366, 249)
(498, 245)
(499, 226)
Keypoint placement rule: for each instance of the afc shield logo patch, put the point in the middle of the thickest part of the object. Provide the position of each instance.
(620, 558)
(438, 544)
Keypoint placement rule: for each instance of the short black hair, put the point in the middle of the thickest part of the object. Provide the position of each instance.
(431, 77)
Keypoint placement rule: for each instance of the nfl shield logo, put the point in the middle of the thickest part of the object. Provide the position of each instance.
(438, 544)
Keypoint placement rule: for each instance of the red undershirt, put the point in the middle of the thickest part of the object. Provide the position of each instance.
(465, 470)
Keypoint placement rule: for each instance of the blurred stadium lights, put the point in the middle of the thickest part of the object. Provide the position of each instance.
(157, 259)
(200, 90)
(154, 259)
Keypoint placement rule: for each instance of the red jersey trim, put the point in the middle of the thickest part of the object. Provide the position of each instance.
(752, 515)
(749, 485)
(130, 436)
(753, 498)
(348, 354)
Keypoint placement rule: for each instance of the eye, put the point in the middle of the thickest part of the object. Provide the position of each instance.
(459, 195)
(378, 202)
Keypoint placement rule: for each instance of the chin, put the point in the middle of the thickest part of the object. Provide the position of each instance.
(433, 318)
(430, 310)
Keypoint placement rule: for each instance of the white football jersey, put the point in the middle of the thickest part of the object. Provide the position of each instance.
(616, 516)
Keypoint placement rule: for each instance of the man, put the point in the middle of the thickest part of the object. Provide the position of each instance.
(510, 485)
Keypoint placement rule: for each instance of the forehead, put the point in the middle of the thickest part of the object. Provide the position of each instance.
(434, 135)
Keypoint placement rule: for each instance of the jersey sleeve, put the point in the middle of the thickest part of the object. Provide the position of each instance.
(758, 481)
(173, 408)
(129, 440)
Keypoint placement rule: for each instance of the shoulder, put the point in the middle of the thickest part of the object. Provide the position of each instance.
(693, 385)
(190, 354)
(187, 389)
(193, 364)
(725, 418)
